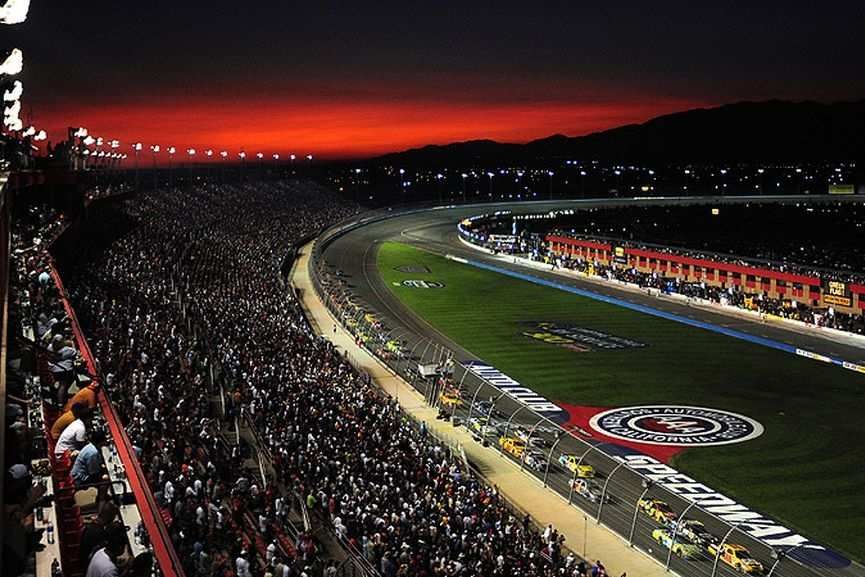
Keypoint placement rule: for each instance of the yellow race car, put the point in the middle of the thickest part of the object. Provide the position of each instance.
(680, 549)
(657, 510)
(737, 557)
(512, 445)
(450, 399)
(572, 463)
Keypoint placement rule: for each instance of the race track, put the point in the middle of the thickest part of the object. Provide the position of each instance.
(354, 255)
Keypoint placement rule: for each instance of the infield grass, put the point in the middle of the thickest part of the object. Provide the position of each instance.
(807, 469)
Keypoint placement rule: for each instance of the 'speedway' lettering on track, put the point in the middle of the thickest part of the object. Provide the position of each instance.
(750, 522)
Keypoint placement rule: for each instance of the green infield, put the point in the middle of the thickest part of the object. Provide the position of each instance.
(807, 469)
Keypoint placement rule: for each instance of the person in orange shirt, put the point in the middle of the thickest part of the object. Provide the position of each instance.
(66, 419)
(87, 396)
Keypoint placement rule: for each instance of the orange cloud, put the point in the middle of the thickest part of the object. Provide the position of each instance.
(344, 129)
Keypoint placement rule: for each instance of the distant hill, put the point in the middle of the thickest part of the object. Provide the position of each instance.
(745, 131)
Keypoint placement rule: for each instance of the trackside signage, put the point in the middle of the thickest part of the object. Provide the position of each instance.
(508, 385)
(748, 521)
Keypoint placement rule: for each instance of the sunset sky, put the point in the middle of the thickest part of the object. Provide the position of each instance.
(358, 79)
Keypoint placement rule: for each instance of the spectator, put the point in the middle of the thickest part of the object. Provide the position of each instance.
(87, 468)
(75, 434)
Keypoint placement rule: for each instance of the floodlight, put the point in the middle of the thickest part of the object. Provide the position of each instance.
(13, 64)
(14, 11)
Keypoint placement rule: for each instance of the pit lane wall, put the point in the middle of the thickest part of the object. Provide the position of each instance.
(625, 477)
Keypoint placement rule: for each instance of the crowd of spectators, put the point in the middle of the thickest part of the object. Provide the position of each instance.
(71, 432)
(195, 289)
(825, 239)
(29, 298)
(733, 296)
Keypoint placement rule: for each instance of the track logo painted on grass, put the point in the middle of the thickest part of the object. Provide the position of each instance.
(577, 339)
(422, 284)
(413, 269)
(676, 425)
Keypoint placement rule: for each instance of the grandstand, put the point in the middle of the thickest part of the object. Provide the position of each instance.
(798, 260)
(228, 437)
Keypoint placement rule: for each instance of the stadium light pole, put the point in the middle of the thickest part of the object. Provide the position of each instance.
(291, 158)
(491, 175)
(154, 150)
(171, 152)
(760, 171)
(582, 183)
(550, 174)
(224, 155)
(209, 154)
(137, 148)
(439, 178)
(465, 176)
(191, 153)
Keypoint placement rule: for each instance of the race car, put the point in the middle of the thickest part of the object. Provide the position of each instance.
(450, 398)
(693, 531)
(737, 557)
(657, 510)
(590, 490)
(394, 347)
(683, 550)
(512, 445)
(533, 440)
(535, 460)
(572, 463)
(483, 408)
(480, 429)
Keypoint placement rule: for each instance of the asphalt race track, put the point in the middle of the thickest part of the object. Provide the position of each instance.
(354, 254)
